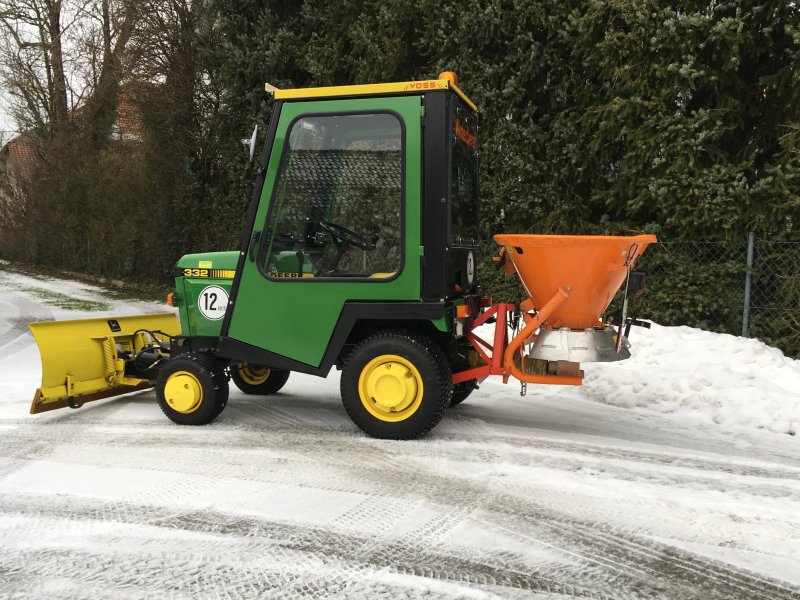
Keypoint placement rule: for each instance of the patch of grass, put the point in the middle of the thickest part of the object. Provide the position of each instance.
(24, 269)
(66, 302)
(133, 292)
(111, 289)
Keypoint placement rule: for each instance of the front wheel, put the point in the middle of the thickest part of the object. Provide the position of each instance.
(396, 385)
(192, 389)
(258, 380)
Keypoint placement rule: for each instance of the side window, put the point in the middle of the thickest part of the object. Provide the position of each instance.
(464, 205)
(339, 197)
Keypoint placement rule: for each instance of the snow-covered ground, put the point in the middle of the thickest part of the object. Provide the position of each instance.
(670, 475)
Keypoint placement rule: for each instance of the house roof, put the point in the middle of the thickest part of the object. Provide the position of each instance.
(21, 155)
(128, 118)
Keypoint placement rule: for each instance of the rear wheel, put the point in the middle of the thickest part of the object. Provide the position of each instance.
(192, 389)
(255, 379)
(461, 391)
(396, 385)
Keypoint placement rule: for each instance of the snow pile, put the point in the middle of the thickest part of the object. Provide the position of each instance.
(732, 381)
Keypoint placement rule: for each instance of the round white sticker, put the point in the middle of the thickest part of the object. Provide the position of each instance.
(470, 267)
(212, 302)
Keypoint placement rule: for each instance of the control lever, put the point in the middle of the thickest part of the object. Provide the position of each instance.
(637, 323)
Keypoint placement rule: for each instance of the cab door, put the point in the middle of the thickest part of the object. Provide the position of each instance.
(338, 220)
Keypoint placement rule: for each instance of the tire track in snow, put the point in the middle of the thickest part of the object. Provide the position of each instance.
(722, 464)
(361, 459)
(16, 336)
(563, 455)
(290, 544)
(451, 494)
(297, 543)
(675, 564)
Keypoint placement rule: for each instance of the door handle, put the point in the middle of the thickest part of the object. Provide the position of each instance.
(253, 245)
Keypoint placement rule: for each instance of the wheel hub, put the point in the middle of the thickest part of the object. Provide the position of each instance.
(183, 392)
(253, 374)
(390, 388)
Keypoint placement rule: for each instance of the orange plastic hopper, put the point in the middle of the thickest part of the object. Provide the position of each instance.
(588, 269)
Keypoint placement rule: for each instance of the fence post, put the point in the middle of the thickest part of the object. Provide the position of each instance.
(748, 280)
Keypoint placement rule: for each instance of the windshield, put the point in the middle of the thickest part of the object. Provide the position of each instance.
(464, 207)
(338, 205)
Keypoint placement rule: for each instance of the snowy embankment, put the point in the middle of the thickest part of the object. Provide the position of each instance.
(697, 375)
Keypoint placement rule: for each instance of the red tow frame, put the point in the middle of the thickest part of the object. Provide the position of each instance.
(503, 350)
(494, 362)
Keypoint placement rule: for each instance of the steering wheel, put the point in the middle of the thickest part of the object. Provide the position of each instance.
(343, 235)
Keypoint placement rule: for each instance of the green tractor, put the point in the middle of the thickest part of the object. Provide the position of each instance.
(359, 253)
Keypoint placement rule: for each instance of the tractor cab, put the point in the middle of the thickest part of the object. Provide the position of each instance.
(355, 174)
(367, 194)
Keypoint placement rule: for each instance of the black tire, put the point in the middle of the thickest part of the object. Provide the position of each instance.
(461, 391)
(209, 377)
(222, 381)
(420, 360)
(244, 378)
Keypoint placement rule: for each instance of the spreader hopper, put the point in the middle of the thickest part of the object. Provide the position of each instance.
(570, 281)
(589, 269)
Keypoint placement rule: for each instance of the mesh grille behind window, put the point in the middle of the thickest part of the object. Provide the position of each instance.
(337, 210)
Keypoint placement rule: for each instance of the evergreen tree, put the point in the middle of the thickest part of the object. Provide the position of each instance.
(597, 116)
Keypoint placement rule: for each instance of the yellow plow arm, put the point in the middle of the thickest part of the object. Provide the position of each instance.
(90, 359)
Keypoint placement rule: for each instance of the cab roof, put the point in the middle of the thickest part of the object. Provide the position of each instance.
(371, 89)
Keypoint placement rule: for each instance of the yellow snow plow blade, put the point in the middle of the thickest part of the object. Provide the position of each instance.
(90, 359)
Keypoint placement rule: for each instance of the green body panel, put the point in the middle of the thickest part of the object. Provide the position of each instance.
(296, 317)
(211, 260)
(195, 272)
(445, 323)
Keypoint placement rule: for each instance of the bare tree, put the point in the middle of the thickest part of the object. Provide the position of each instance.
(33, 62)
(58, 54)
(116, 23)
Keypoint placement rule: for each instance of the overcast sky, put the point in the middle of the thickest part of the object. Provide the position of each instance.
(7, 126)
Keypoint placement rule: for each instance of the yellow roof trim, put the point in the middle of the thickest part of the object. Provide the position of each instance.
(404, 87)
(463, 96)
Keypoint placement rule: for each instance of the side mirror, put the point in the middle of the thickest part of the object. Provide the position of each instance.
(252, 143)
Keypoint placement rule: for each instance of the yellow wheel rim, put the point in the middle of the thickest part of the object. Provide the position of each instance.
(253, 374)
(390, 388)
(183, 392)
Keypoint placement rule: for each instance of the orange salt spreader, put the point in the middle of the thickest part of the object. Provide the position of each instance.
(570, 281)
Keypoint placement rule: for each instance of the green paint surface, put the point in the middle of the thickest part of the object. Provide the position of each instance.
(219, 260)
(445, 322)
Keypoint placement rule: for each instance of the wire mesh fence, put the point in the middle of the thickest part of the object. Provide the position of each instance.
(704, 284)
(775, 296)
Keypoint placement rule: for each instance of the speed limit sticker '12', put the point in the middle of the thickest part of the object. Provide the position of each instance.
(212, 302)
